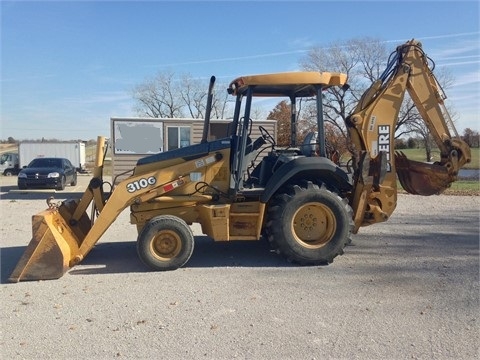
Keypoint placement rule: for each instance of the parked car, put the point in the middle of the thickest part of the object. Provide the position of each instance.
(47, 173)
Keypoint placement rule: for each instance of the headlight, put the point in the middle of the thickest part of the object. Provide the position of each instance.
(53, 175)
(22, 175)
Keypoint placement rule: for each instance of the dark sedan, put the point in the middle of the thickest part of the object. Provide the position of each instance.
(48, 173)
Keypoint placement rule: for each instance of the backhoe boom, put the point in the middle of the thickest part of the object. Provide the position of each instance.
(372, 128)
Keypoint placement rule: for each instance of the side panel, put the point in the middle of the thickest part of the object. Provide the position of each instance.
(189, 187)
(237, 221)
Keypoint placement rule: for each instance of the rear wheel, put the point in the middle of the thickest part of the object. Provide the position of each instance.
(308, 224)
(165, 243)
(74, 180)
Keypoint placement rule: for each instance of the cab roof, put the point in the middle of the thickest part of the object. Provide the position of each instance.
(298, 83)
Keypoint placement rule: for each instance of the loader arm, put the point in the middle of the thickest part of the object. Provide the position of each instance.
(372, 130)
(64, 235)
(137, 190)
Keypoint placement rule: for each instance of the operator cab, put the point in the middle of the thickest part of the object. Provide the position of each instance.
(248, 174)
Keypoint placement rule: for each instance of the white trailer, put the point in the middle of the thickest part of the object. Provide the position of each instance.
(73, 151)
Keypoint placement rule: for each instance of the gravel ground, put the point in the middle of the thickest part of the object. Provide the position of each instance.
(407, 288)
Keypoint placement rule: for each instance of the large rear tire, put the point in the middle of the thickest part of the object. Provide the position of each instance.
(308, 224)
(165, 243)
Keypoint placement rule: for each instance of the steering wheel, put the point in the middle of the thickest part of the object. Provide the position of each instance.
(266, 135)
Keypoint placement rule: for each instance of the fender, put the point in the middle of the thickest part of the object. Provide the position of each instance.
(311, 168)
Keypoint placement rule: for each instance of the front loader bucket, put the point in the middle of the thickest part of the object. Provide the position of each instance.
(59, 233)
(55, 242)
(420, 178)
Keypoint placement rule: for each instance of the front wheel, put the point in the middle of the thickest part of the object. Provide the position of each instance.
(62, 183)
(309, 225)
(165, 243)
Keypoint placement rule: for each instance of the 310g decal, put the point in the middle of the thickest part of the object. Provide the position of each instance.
(141, 184)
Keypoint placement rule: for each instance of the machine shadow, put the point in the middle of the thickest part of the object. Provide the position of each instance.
(11, 192)
(121, 257)
(8, 260)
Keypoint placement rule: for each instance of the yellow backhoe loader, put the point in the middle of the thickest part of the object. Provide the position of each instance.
(298, 198)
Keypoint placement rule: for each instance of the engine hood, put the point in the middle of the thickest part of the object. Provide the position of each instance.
(41, 170)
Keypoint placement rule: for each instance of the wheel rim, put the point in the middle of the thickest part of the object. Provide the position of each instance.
(166, 245)
(313, 225)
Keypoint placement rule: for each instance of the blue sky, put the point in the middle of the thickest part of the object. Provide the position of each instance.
(67, 67)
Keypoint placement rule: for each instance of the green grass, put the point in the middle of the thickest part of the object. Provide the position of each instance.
(465, 185)
(419, 155)
(460, 187)
(470, 187)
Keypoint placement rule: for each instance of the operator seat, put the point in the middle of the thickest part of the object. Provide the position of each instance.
(308, 147)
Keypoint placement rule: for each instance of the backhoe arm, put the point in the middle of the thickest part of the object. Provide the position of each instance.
(372, 128)
(428, 98)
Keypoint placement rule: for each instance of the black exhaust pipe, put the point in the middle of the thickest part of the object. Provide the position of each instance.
(208, 110)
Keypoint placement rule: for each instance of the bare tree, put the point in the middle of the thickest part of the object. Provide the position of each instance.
(221, 102)
(364, 60)
(281, 113)
(194, 97)
(471, 137)
(421, 129)
(159, 97)
(361, 59)
(166, 96)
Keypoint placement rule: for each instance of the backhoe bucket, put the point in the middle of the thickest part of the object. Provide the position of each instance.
(55, 242)
(420, 178)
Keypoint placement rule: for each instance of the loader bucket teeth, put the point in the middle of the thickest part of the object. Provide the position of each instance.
(420, 178)
(51, 249)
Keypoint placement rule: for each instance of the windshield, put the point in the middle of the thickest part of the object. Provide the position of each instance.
(3, 158)
(45, 163)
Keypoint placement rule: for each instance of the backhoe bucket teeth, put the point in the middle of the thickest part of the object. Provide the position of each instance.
(420, 178)
(55, 242)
